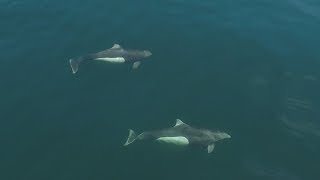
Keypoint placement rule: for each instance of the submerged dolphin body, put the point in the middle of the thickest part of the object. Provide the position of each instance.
(116, 54)
(181, 134)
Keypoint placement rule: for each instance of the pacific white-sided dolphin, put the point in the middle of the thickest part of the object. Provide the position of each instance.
(116, 54)
(181, 134)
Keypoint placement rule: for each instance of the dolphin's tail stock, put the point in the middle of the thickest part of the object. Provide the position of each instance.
(74, 63)
(131, 138)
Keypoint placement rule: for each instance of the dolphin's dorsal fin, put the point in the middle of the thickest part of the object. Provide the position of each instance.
(116, 46)
(179, 122)
(210, 148)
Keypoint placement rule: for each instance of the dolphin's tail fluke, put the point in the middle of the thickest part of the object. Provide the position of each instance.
(131, 138)
(74, 63)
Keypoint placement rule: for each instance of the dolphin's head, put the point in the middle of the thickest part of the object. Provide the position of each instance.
(137, 55)
(223, 135)
(147, 53)
(217, 135)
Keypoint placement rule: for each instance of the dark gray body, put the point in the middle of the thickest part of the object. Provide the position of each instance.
(181, 134)
(129, 55)
(195, 136)
(116, 51)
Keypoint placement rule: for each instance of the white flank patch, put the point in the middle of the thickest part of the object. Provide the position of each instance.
(179, 140)
(112, 60)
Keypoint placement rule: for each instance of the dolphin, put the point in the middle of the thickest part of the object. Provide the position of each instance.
(180, 134)
(116, 54)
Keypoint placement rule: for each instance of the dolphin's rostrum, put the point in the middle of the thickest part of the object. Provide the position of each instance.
(116, 54)
(180, 134)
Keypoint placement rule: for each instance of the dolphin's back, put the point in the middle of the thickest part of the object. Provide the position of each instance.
(110, 53)
(194, 135)
(128, 54)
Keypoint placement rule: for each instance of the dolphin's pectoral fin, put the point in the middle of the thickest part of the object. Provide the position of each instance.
(116, 46)
(179, 122)
(210, 148)
(136, 65)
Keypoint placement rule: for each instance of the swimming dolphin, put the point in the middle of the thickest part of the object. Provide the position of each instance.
(181, 134)
(116, 54)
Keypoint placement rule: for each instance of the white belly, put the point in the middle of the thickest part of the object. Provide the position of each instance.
(178, 140)
(112, 60)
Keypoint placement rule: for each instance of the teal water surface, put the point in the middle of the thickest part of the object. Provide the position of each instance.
(249, 68)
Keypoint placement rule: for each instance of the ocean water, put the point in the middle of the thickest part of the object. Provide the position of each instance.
(249, 68)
